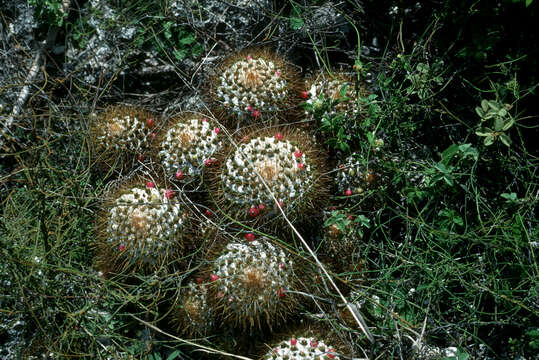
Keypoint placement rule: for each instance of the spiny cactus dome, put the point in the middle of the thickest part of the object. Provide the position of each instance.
(122, 131)
(255, 83)
(194, 315)
(251, 280)
(354, 176)
(287, 163)
(188, 145)
(302, 348)
(143, 227)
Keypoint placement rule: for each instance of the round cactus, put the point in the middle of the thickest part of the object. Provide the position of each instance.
(193, 315)
(188, 145)
(255, 83)
(250, 283)
(122, 133)
(142, 227)
(286, 162)
(339, 89)
(353, 176)
(302, 348)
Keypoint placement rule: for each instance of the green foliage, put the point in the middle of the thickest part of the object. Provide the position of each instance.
(49, 11)
(495, 121)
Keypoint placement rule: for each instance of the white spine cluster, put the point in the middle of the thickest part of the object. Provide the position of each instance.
(330, 89)
(143, 224)
(252, 84)
(198, 314)
(125, 133)
(187, 145)
(282, 165)
(302, 349)
(352, 177)
(253, 277)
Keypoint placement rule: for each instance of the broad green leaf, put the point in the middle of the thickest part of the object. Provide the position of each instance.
(484, 132)
(187, 40)
(505, 139)
(484, 105)
(508, 125)
(494, 105)
(296, 23)
(489, 140)
(528, 2)
(498, 124)
(174, 355)
(479, 112)
(502, 112)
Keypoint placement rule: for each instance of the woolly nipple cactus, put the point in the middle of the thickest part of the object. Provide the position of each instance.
(123, 133)
(142, 227)
(188, 145)
(302, 348)
(250, 281)
(339, 89)
(255, 83)
(286, 162)
(193, 315)
(354, 177)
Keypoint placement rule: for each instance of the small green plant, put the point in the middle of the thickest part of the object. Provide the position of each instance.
(51, 12)
(495, 121)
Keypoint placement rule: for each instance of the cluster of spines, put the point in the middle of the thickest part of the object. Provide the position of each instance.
(302, 348)
(141, 227)
(250, 282)
(188, 145)
(255, 83)
(354, 177)
(193, 314)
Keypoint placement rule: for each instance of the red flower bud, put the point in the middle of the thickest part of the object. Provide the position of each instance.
(278, 136)
(250, 236)
(281, 293)
(152, 135)
(150, 122)
(301, 166)
(304, 94)
(256, 113)
(121, 247)
(313, 343)
(208, 212)
(348, 192)
(199, 280)
(253, 212)
(278, 73)
(150, 185)
(262, 207)
(169, 194)
(214, 277)
(140, 157)
(298, 154)
(217, 130)
(249, 57)
(179, 175)
(293, 341)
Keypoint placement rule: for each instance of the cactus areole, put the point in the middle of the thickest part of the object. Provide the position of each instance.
(301, 348)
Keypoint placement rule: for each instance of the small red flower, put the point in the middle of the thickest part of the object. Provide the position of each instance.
(331, 353)
(214, 277)
(301, 166)
(249, 57)
(256, 113)
(199, 280)
(179, 175)
(140, 157)
(150, 122)
(169, 194)
(121, 247)
(262, 207)
(150, 185)
(278, 136)
(348, 192)
(249, 108)
(152, 135)
(217, 130)
(304, 94)
(278, 73)
(313, 344)
(208, 162)
(245, 139)
(350, 217)
(208, 212)
(204, 120)
(293, 341)
(298, 154)
(253, 212)
(281, 203)
(281, 293)
(333, 208)
(250, 236)
(281, 266)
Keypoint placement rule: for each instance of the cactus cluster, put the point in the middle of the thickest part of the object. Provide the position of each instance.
(188, 145)
(353, 176)
(143, 227)
(194, 315)
(122, 131)
(250, 281)
(286, 163)
(255, 83)
(339, 88)
(302, 348)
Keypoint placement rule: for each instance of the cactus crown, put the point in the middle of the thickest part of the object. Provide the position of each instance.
(353, 176)
(194, 315)
(122, 130)
(251, 279)
(302, 348)
(142, 227)
(291, 171)
(255, 82)
(188, 144)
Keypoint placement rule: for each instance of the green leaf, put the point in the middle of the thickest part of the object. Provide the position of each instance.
(512, 197)
(479, 112)
(296, 23)
(343, 90)
(494, 105)
(174, 355)
(528, 2)
(498, 124)
(187, 40)
(489, 140)
(180, 54)
(505, 140)
(508, 124)
(484, 105)
(484, 132)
